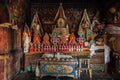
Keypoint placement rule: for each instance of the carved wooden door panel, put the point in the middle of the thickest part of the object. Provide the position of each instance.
(2, 68)
(2, 41)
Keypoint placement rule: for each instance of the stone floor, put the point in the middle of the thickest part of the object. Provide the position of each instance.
(96, 76)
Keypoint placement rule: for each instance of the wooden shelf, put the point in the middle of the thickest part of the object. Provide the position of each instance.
(81, 53)
(33, 53)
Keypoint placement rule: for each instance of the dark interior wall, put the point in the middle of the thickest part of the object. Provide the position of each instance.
(105, 6)
(101, 4)
(4, 15)
(95, 3)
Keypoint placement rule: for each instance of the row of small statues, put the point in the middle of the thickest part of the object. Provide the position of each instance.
(58, 48)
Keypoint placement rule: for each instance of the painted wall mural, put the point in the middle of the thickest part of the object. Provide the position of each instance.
(73, 15)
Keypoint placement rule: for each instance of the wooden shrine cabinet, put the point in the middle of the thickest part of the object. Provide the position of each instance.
(31, 60)
(2, 69)
(97, 62)
(113, 40)
(58, 67)
(6, 43)
(9, 65)
(10, 53)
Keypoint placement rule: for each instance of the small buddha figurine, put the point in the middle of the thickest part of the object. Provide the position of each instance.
(26, 42)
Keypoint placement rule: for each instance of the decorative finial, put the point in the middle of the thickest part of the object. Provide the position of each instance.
(60, 3)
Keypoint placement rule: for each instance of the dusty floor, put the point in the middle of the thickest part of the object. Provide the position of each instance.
(96, 76)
